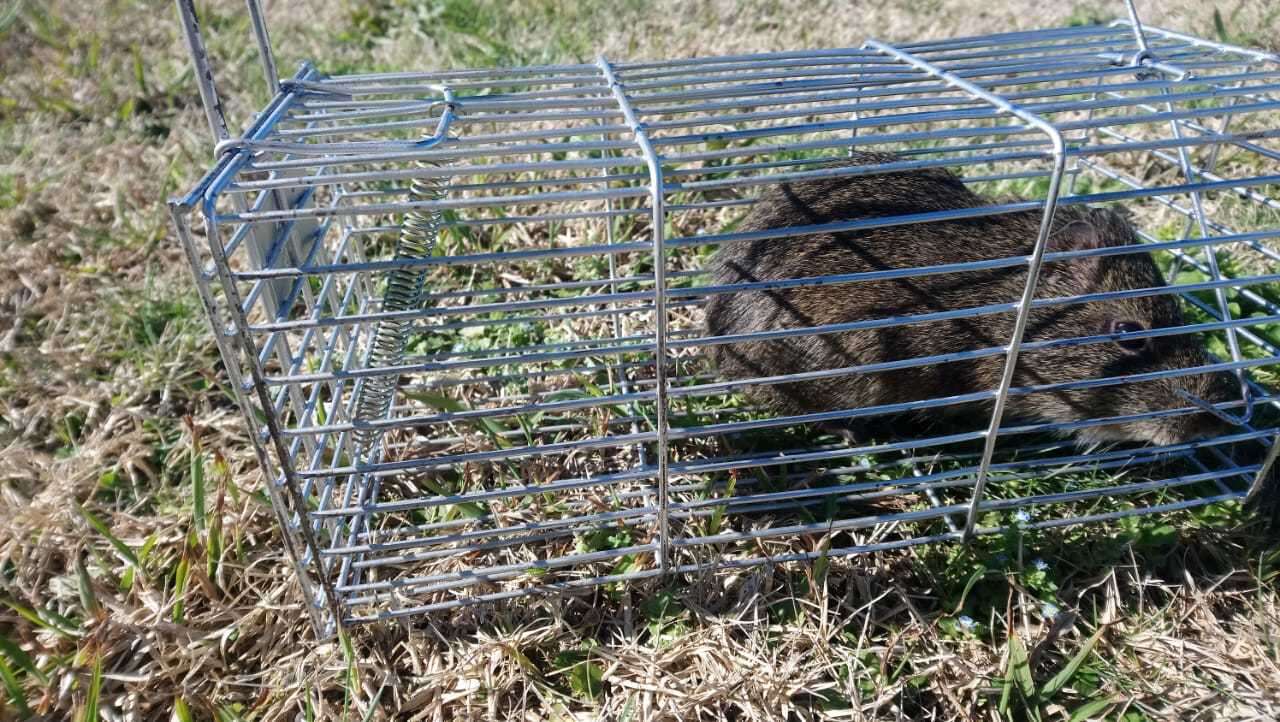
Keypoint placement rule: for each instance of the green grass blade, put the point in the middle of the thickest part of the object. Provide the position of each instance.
(27, 613)
(373, 706)
(90, 711)
(14, 688)
(469, 509)
(717, 514)
(180, 588)
(1220, 27)
(121, 548)
(628, 710)
(1019, 674)
(61, 622)
(227, 713)
(139, 69)
(181, 712)
(10, 15)
(44, 619)
(1091, 710)
(977, 576)
(1006, 693)
(352, 675)
(22, 660)
(1061, 679)
(88, 599)
(147, 546)
(213, 550)
(440, 402)
(823, 562)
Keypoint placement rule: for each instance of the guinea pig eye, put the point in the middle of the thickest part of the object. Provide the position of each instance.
(1134, 345)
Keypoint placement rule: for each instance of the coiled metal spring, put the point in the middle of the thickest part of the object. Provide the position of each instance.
(417, 240)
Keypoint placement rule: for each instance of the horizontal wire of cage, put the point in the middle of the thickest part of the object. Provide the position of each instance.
(552, 422)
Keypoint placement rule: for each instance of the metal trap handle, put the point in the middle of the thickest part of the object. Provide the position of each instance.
(216, 114)
(213, 108)
(448, 101)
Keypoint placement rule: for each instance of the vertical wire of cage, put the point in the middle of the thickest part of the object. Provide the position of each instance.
(209, 272)
(522, 404)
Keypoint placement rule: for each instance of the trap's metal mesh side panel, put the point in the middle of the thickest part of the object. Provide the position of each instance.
(926, 498)
(267, 244)
(557, 425)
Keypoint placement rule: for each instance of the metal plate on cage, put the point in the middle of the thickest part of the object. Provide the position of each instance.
(283, 244)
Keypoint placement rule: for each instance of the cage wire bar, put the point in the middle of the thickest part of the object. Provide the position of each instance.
(550, 423)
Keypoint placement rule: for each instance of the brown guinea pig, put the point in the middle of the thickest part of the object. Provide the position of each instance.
(847, 198)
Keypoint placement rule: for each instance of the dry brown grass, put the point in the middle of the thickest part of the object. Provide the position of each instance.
(103, 355)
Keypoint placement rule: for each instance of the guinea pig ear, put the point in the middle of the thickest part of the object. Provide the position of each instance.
(1077, 235)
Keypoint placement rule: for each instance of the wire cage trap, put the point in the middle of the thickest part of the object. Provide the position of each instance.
(465, 311)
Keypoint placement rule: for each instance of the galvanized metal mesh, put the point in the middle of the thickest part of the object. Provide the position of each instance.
(555, 424)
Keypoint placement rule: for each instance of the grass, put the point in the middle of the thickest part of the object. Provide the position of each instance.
(141, 571)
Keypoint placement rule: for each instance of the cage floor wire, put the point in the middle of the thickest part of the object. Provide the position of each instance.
(465, 310)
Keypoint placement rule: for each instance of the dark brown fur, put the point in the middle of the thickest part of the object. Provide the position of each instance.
(882, 195)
